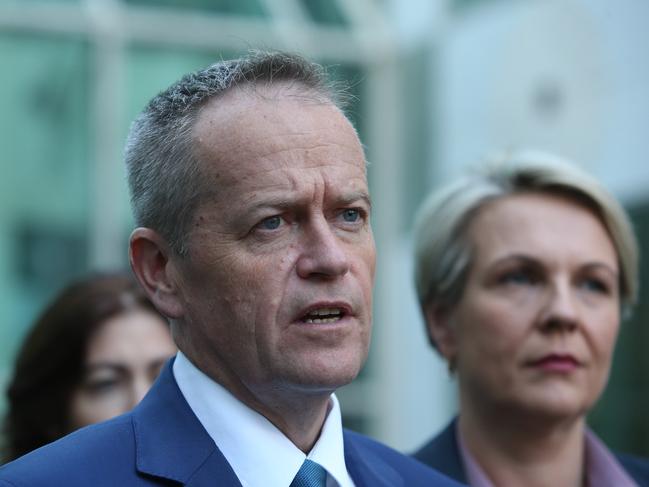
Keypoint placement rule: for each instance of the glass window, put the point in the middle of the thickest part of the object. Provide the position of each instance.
(45, 176)
(620, 416)
(325, 12)
(250, 8)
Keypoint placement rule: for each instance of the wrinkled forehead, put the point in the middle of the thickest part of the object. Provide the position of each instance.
(252, 96)
(273, 125)
(267, 101)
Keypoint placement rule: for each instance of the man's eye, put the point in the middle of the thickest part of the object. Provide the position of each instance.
(351, 215)
(271, 223)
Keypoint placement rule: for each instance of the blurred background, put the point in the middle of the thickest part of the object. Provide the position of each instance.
(439, 84)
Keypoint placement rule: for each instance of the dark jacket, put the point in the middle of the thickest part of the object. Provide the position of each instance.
(443, 454)
(161, 442)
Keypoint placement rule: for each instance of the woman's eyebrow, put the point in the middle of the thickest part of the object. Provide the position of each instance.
(602, 265)
(105, 364)
(516, 258)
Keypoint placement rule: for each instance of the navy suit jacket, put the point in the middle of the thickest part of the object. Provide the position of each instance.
(443, 454)
(161, 442)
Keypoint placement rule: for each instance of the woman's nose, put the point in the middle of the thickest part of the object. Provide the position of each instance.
(560, 311)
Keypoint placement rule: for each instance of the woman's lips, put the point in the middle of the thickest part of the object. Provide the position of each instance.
(561, 363)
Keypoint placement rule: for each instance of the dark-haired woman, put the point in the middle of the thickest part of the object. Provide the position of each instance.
(92, 355)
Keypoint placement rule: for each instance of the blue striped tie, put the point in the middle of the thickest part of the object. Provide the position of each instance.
(310, 475)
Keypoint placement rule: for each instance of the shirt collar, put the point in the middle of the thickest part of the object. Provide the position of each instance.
(257, 451)
(475, 475)
(603, 469)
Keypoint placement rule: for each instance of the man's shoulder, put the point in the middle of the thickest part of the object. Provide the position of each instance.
(103, 452)
(387, 463)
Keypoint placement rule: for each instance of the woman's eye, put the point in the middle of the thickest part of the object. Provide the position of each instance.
(271, 223)
(351, 215)
(518, 277)
(100, 386)
(595, 285)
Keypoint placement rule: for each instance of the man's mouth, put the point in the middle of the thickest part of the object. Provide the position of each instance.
(323, 315)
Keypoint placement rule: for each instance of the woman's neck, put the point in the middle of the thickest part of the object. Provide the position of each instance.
(535, 452)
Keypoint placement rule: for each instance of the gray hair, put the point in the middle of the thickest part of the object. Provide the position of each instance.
(164, 175)
(443, 253)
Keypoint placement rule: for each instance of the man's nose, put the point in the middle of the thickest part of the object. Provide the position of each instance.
(560, 311)
(323, 252)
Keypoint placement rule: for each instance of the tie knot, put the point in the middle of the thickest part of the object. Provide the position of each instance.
(310, 475)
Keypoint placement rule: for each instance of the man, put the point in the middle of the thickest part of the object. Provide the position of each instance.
(249, 188)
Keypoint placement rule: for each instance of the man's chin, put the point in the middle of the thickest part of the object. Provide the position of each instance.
(323, 380)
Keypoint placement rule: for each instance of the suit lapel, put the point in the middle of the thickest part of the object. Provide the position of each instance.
(366, 468)
(443, 453)
(449, 457)
(171, 443)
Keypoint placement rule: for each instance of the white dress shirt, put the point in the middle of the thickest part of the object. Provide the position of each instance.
(257, 451)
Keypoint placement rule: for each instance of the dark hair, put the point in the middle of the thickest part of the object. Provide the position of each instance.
(49, 365)
(164, 174)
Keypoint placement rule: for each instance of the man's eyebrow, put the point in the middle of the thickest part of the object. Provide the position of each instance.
(282, 201)
(278, 201)
(355, 196)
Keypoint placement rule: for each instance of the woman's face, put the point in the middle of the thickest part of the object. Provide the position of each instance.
(123, 359)
(536, 325)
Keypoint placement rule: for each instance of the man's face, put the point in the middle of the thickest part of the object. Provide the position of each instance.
(276, 290)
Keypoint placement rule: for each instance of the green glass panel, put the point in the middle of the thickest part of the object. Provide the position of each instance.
(46, 1)
(45, 174)
(252, 8)
(620, 417)
(463, 5)
(325, 12)
(417, 147)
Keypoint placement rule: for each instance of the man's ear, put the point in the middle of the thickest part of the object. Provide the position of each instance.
(149, 257)
(440, 330)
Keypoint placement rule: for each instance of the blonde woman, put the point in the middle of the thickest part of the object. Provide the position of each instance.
(522, 272)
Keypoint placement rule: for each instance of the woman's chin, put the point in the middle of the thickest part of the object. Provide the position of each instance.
(558, 404)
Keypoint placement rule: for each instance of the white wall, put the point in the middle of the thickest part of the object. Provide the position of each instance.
(570, 76)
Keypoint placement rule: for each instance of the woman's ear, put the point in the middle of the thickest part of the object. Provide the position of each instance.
(440, 331)
(149, 255)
